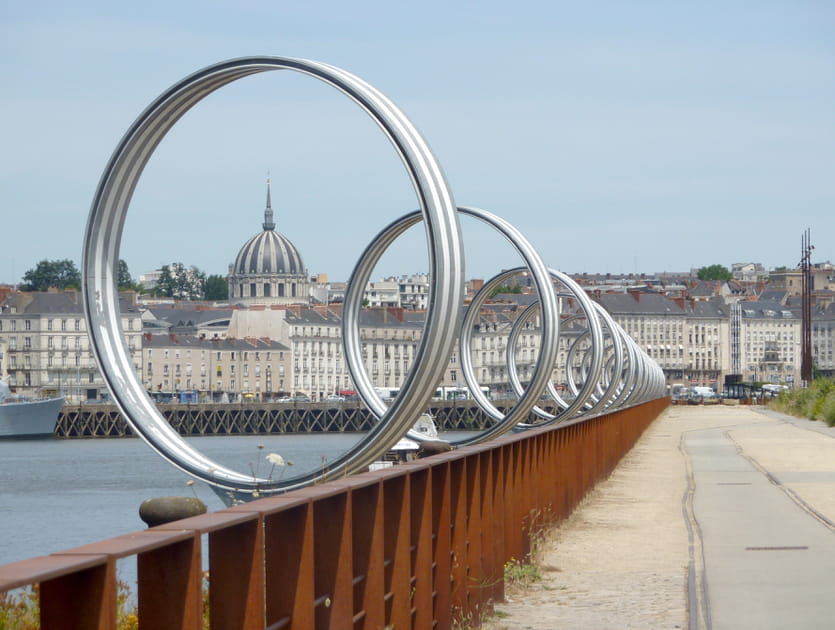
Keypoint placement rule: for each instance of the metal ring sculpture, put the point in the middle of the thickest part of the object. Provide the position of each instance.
(103, 236)
(615, 372)
(550, 320)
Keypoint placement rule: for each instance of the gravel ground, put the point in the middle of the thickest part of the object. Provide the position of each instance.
(622, 559)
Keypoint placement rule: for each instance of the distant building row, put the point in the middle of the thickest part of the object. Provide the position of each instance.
(266, 352)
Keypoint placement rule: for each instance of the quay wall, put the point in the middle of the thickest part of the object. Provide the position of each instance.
(200, 419)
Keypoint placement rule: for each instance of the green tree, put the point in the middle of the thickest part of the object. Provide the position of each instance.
(125, 280)
(60, 274)
(181, 282)
(505, 288)
(217, 288)
(714, 272)
(165, 283)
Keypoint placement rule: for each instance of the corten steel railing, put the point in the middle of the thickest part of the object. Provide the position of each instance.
(414, 546)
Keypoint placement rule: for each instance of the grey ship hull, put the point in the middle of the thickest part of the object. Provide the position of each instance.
(29, 419)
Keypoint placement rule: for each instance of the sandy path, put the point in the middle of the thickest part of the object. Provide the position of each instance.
(621, 560)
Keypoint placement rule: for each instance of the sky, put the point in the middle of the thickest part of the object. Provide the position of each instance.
(617, 136)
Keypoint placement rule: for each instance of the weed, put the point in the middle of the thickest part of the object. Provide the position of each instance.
(521, 574)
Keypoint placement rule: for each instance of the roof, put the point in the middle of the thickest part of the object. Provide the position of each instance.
(767, 309)
(194, 341)
(61, 302)
(269, 252)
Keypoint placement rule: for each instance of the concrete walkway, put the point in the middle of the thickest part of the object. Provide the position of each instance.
(721, 517)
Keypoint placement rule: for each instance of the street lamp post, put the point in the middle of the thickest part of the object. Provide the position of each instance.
(806, 321)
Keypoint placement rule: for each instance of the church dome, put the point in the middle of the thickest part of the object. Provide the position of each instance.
(268, 268)
(268, 252)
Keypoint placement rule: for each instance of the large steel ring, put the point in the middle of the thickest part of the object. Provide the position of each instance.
(549, 329)
(593, 332)
(101, 255)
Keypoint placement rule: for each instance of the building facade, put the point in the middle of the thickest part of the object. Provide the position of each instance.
(216, 370)
(690, 340)
(47, 348)
(769, 346)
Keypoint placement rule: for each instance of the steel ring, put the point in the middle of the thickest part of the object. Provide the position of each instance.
(104, 231)
(351, 337)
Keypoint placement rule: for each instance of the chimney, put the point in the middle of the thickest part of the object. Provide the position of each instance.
(396, 311)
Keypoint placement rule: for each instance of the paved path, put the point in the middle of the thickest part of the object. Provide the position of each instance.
(721, 517)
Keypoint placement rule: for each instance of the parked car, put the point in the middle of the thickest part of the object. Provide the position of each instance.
(704, 392)
(335, 398)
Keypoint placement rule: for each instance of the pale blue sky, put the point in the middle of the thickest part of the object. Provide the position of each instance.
(619, 136)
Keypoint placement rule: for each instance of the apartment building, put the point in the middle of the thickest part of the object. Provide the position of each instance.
(769, 342)
(215, 368)
(47, 349)
(689, 340)
(823, 340)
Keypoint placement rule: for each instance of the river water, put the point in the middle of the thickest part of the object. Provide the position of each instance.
(59, 494)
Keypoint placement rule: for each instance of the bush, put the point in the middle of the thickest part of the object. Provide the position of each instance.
(816, 402)
(827, 411)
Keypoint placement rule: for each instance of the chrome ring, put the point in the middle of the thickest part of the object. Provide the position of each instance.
(103, 236)
(550, 322)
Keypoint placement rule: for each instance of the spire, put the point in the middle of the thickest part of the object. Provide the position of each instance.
(268, 224)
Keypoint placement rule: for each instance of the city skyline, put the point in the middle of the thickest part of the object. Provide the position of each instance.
(629, 139)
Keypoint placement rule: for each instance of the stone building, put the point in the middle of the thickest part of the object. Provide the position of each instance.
(689, 340)
(215, 369)
(823, 340)
(47, 348)
(769, 342)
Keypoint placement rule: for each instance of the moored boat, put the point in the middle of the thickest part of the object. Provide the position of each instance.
(22, 417)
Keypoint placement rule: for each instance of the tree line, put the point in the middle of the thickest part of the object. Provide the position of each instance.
(183, 282)
(175, 281)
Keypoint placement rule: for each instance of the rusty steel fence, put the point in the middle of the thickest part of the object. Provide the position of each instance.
(419, 545)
